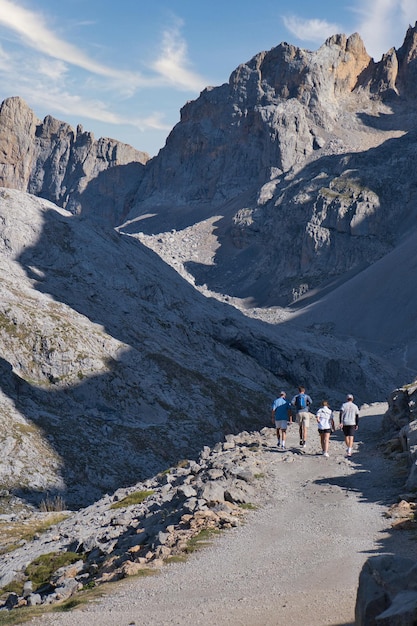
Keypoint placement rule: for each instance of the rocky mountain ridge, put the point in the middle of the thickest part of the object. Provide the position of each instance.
(286, 151)
(100, 330)
(309, 181)
(69, 167)
(278, 154)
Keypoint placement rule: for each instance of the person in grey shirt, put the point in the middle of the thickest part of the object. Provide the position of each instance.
(349, 422)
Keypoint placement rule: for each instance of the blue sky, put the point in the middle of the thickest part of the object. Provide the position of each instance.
(123, 69)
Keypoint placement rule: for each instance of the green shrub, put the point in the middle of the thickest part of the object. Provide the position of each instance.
(42, 568)
(133, 498)
(56, 503)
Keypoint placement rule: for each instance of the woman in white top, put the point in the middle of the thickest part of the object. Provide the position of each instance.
(325, 425)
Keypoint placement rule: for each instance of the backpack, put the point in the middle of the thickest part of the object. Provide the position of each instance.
(301, 401)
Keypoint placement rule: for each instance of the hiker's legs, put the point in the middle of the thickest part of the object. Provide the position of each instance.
(349, 432)
(304, 422)
(281, 431)
(349, 441)
(326, 441)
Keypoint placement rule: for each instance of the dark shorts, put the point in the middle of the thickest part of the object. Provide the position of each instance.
(324, 430)
(349, 431)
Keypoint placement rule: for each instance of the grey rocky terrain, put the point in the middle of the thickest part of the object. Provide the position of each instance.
(105, 348)
(150, 308)
(294, 560)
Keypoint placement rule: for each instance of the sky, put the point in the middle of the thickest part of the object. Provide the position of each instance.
(123, 69)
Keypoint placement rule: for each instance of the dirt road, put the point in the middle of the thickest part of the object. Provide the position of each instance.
(297, 559)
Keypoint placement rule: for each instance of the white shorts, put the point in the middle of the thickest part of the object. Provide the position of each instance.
(282, 424)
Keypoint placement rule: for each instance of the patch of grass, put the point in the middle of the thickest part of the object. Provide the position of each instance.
(143, 573)
(89, 585)
(136, 497)
(177, 558)
(22, 616)
(201, 540)
(248, 506)
(11, 535)
(16, 586)
(42, 568)
(68, 605)
(259, 476)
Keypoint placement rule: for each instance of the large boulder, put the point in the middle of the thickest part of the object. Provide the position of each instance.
(387, 592)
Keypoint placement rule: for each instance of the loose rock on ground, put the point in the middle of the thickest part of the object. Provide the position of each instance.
(298, 557)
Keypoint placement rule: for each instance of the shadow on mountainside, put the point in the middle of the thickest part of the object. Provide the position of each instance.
(108, 197)
(97, 451)
(273, 252)
(253, 257)
(377, 307)
(179, 351)
(354, 281)
(144, 413)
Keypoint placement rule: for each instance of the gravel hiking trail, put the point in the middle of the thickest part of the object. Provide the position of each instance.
(295, 561)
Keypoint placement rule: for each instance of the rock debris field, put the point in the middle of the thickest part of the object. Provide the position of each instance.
(296, 559)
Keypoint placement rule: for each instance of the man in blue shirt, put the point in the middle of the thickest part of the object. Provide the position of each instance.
(302, 403)
(281, 415)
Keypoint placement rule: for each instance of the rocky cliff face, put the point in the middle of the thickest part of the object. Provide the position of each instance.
(274, 112)
(95, 177)
(301, 173)
(305, 158)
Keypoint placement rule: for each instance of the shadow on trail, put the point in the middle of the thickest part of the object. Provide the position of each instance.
(376, 479)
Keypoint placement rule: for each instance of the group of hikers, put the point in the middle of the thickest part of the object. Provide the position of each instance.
(283, 413)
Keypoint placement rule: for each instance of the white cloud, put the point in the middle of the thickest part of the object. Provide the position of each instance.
(154, 122)
(173, 65)
(45, 85)
(314, 30)
(94, 109)
(55, 70)
(45, 70)
(34, 32)
(382, 24)
(4, 59)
